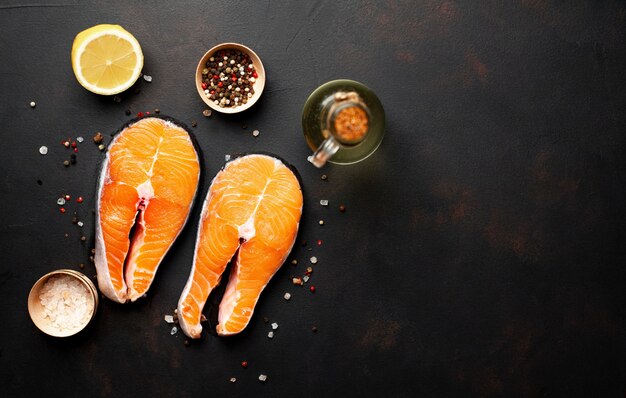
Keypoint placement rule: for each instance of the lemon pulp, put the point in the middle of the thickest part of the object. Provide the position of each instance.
(106, 59)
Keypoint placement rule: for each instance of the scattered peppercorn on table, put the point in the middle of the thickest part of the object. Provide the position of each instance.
(479, 252)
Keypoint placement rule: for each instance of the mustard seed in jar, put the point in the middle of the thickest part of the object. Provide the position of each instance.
(351, 124)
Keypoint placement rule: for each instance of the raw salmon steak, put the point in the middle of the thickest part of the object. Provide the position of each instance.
(252, 209)
(146, 188)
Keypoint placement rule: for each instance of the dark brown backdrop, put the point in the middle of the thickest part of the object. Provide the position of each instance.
(482, 250)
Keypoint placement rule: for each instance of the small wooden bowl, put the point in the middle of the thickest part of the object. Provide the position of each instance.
(36, 310)
(258, 85)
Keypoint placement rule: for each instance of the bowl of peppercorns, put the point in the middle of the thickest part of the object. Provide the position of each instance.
(230, 78)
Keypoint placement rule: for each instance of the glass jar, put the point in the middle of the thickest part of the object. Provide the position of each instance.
(343, 122)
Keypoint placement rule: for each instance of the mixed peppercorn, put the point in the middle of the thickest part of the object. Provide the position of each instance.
(228, 78)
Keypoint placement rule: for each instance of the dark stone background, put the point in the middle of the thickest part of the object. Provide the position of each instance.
(483, 249)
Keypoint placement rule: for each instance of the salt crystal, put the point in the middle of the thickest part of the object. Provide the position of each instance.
(61, 201)
(262, 377)
(324, 202)
(65, 303)
(313, 260)
(256, 133)
(233, 379)
(274, 326)
(43, 150)
(169, 319)
(174, 330)
(287, 296)
(305, 278)
(226, 158)
(80, 223)
(147, 78)
(270, 335)
(80, 139)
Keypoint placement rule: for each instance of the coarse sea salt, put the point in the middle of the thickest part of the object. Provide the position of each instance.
(65, 303)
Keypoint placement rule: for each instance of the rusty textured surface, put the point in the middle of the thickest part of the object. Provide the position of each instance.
(483, 249)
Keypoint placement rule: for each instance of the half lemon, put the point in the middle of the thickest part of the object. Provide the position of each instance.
(106, 59)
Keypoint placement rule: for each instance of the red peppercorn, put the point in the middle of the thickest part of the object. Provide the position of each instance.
(147, 113)
(79, 199)
(140, 114)
(68, 197)
(312, 289)
(244, 364)
(73, 144)
(234, 78)
(62, 209)
(204, 86)
(220, 84)
(216, 77)
(255, 75)
(319, 242)
(212, 92)
(75, 150)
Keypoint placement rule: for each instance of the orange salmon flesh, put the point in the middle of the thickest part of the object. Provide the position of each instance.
(147, 186)
(252, 209)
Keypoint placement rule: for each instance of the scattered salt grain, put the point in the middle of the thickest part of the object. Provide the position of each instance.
(287, 296)
(270, 335)
(147, 78)
(65, 303)
(262, 377)
(80, 223)
(274, 326)
(174, 330)
(226, 158)
(169, 318)
(233, 379)
(313, 260)
(43, 150)
(305, 278)
(80, 139)
(324, 202)
(61, 201)
(256, 133)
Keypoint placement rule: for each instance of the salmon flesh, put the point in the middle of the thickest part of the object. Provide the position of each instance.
(252, 210)
(146, 189)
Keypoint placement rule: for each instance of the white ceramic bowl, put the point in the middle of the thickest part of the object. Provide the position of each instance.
(258, 85)
(36, 309)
